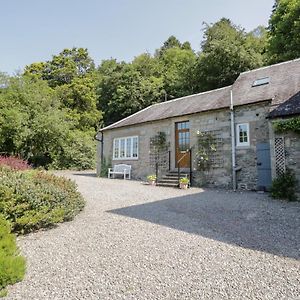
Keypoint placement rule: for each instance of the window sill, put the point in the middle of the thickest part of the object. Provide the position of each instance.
(241, 147)
(126, 158)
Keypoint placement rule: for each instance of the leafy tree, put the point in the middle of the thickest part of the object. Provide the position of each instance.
(64, 67)
(34, 125)
(80, 100)
(284, 31)
(226, 52)
(177, 65)
(124, 88)
(256, 42)
(171, 42)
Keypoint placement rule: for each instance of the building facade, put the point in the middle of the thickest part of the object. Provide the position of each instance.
(222, 138)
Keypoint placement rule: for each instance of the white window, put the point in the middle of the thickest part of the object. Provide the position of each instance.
(126, 148)
(242, 135)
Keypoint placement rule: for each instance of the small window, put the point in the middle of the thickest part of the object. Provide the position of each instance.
(125, 148)
(242, 135)
(261, 81)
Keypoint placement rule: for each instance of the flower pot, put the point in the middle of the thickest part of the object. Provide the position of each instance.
(152, 182)
(183, 186)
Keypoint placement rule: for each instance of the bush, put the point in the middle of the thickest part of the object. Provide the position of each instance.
(184, 180)
(284, 186)
(77, 152)
(12, 266)
(105, 164)
(31, 200)
(151, 177)
(14, 162)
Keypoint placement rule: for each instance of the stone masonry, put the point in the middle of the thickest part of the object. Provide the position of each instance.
(217, 122)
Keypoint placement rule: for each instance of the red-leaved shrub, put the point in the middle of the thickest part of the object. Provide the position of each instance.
(14, 162)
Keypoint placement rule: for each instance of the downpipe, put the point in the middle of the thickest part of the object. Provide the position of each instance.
(232, 142)
(101, 140)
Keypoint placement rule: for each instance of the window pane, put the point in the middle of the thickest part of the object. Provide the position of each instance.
(187, 125)
(135, 147)
(122, 148)
(128, 147)
(116, 148)
(243, 134)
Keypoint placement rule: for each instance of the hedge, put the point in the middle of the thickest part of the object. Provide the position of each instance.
(33, 199)
(12, 265)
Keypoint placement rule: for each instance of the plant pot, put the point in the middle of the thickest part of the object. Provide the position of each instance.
(184, 186)
(152, 182)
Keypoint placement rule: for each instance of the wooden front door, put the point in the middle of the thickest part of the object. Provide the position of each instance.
(182, 144)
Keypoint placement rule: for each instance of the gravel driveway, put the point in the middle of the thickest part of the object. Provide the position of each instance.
(135, 241)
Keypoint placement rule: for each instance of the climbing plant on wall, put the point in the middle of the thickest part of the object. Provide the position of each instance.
(207, 146)
(159, 147)
(292, 124)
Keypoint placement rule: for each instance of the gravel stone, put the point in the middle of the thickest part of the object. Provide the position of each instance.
(135, 241)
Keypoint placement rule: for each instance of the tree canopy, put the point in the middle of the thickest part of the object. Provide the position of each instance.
(284, 31)
(51, 112)
(227, 50)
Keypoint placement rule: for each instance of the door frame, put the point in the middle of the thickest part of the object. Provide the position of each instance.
(184, 140)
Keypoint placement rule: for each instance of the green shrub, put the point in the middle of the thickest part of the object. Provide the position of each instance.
(104, 167)
(284, 186)
(184, 180)
(292, 124)
(31, 200)
(77, 152)
(151, 177)
(12, 265)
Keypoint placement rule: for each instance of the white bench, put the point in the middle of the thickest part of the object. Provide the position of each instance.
(120, 169)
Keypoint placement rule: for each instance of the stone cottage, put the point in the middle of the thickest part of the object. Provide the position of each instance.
(223, 138)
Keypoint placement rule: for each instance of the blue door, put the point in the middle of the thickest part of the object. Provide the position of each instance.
(264, 177)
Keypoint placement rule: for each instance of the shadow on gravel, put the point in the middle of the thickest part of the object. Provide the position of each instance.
(246, 220)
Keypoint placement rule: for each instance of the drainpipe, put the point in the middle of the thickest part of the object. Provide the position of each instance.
(232, 142)
(101, 140)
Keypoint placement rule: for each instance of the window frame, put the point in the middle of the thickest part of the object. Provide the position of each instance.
(242, 144)
(125, 157)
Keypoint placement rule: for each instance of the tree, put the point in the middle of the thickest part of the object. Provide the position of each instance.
(171, 42)
(34, 125)
(123, 89)
(64, 67)
(284, 31)
(226, 52)
(177, 65)
(80, 100)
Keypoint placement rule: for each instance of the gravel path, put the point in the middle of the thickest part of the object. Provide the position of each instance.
(135, 241)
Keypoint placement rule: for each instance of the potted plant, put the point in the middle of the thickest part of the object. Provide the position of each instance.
(151, 179)
(184, 183)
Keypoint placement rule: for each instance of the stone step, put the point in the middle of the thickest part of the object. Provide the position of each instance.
(167, 184)
(166, 180)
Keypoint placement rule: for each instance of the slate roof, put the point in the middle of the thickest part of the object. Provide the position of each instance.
(287, 108)
(284, 82)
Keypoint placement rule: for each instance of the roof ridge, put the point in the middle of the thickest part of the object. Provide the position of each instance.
(190, 96)
(270, 66)
(165, 102)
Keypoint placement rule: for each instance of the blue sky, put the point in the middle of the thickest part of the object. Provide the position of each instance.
(34, 30)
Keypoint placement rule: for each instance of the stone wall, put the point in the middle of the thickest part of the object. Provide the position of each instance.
(218, 124)
(256, 116)
(291, 142)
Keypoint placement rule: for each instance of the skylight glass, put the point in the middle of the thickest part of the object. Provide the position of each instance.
(261, 81)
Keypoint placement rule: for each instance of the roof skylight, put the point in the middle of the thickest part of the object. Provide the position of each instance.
(261, 81)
